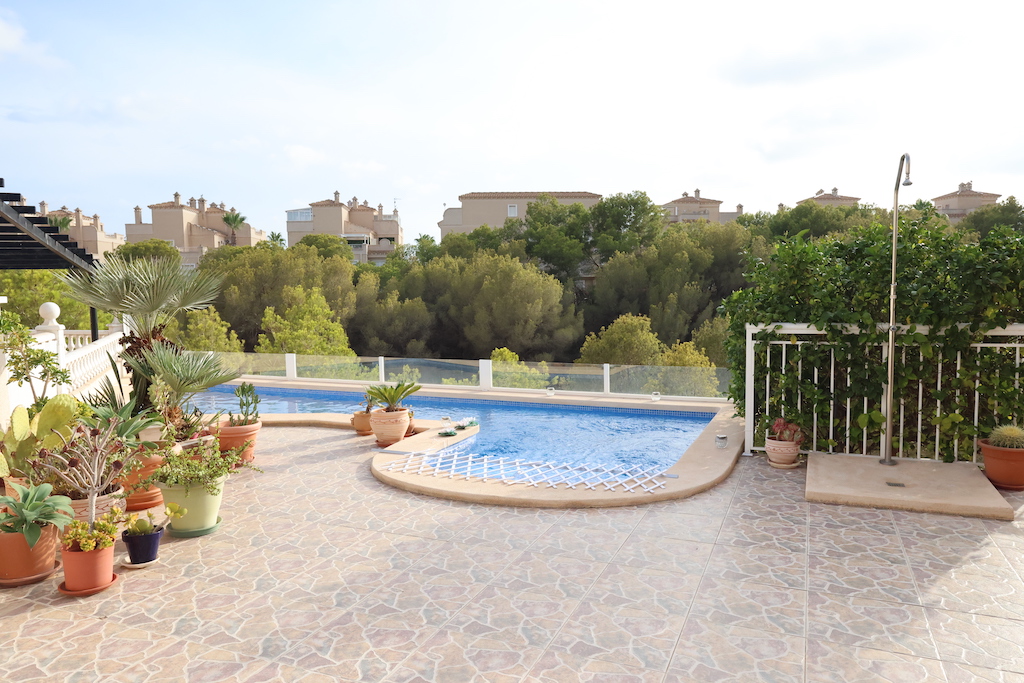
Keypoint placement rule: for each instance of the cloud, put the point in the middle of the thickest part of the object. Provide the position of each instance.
(14, 44)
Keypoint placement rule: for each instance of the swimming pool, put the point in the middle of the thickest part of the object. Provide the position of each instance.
(517, 431)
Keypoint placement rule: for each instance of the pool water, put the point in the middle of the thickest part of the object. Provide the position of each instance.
(516, 431)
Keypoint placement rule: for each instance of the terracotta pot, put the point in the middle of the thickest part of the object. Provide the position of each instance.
(389, 427)
(144, 498)
(20, 565)
(1004, 467)
(782, 454)
(234, 437)
(361, 423)
(202, 507)
(85, 571)
(104, 504)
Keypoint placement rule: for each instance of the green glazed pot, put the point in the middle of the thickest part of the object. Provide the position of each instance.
(202, 507)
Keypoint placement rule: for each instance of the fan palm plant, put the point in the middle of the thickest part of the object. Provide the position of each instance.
(146, 293)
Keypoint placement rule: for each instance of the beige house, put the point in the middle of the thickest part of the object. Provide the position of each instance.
(687, 209)
(193, 228)
(832, 198)
(370, 232)
(492, 208)
(966, 199)
(87, 231)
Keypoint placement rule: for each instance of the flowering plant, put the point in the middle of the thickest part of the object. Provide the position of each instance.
(787, 431)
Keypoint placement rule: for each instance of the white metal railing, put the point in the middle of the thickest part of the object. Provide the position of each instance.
(921, 400)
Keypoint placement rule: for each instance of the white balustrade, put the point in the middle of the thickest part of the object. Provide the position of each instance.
(90, 362)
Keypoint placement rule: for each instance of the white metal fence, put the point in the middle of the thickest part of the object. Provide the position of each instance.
(920, 407)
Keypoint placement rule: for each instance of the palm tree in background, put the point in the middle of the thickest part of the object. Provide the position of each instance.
(234, 220)
(62, 223)
(277, 239)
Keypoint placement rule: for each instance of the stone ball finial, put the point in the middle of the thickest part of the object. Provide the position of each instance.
(49, 312)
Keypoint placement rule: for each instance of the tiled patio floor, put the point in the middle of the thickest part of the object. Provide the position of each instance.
(321, 573)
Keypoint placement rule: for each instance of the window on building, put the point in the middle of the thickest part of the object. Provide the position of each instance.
(513, 210)
(300, 215)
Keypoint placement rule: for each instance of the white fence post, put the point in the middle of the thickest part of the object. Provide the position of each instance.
(748, 427)
(607, 378)
(380, 368)
(486, 375)
(291, 368)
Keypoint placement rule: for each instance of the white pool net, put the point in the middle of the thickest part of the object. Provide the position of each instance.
(581, 476)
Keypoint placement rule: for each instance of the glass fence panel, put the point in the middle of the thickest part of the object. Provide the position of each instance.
(363, 369)
(563, 376)
(432, 371)
(271, 364)
(669, 380)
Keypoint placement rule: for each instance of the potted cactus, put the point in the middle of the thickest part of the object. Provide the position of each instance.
(26, 436)
(1003, 455)
(391, 424)
(240, 431)
(141, 535)
(29, 523)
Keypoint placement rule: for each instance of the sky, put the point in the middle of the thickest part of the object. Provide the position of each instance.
(271, 106)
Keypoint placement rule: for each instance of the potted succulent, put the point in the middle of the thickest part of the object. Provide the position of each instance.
(88, 553)
(194, 479)
(783, 448)
(27, 435)
(1003, 455)
(391, 424)
(29, 523)
(361, 418)
(240, 431)
(142, 536)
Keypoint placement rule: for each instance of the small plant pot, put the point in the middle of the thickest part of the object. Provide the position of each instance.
(21, 565)
(86, 571)
(203, 508)
(782, 455)
(361, 423)
(389, 427)
(1004, 467)
(143, 499)
(143, 548)
(235, 437)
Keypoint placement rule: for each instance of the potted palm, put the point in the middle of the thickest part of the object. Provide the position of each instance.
(391, 424)
(239, 431)
(361, 418)
(783, 448)
(142, 535)
(29, 523)
(194, 480)
(1003, 454)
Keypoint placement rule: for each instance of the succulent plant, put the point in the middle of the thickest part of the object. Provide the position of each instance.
(1007, 436)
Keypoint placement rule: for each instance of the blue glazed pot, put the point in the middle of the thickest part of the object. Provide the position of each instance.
(144, 548)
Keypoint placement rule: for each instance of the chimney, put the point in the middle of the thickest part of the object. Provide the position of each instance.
(78, 217)
(739, 208)
(96, 221)
(970, 185)
(696, 193)
(192, 202)
(202, 204)
(835, 191)
(42, 208)
(781, 206)
(380, 209)
(337, 197)
(138, 215)
(177, 199)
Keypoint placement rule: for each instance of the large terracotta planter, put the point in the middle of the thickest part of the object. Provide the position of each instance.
(782, 454)
(389, 427)
(88, 571)
(1004, 467)
(202, 507)
(361, 423)
(143, 499)
(234, 437)
(104, 504)
(21, 565)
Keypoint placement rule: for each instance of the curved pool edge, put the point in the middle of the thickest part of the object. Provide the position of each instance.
(700, 468)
